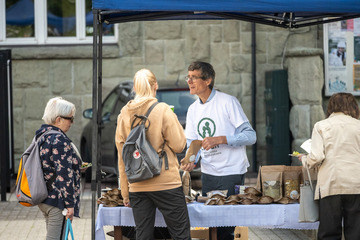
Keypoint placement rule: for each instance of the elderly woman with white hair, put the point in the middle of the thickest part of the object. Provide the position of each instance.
(61, 167)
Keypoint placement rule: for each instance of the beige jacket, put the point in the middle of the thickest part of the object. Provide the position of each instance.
(164, 127)
(335, 149)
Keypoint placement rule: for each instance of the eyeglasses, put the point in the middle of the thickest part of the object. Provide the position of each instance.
(193, 79)
(68, 118)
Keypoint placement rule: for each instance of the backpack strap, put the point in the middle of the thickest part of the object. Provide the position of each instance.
(151, 108)
(162, 153)
(143, 120)
(53, 178)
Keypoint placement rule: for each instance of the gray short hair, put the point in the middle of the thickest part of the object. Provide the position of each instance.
(56, 107)
(206, 69)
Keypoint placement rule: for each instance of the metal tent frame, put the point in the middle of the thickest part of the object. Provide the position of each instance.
(285, 14)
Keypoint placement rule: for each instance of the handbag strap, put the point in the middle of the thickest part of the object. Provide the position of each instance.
(69, 229)
(308, 173)
(76, 151)
(52, 179)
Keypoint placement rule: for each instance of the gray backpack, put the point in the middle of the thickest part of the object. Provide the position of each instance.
(31, 188)
(140, 158)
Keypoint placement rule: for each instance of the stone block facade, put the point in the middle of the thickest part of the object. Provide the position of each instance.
(167, 48)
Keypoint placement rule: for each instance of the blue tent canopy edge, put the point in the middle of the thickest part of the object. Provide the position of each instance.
(290, 13)
(243, 6)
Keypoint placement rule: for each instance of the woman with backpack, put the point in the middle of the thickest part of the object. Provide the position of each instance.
(163, 191)
(61, 167)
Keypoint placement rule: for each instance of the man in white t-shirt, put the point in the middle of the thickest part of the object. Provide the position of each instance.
(219, 121)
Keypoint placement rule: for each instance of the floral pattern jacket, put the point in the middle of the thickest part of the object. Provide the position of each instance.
(61, 167)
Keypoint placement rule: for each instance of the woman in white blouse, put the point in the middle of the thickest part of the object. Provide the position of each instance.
(335, 151)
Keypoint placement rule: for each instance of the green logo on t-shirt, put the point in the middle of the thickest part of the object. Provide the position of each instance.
(206, 127)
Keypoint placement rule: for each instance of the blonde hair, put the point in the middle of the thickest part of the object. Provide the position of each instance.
(56, 107)
(144, 83)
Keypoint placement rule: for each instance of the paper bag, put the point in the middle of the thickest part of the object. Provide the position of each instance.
(191, 153)
(269, 181)
(186, 183)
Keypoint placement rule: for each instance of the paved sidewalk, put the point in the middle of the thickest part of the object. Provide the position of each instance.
(20, 223)
(23, 223)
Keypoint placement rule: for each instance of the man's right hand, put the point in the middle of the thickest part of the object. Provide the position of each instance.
(187, 166)
(126, 202)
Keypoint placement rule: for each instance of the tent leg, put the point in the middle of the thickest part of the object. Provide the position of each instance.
(94, 124)
(253, 93)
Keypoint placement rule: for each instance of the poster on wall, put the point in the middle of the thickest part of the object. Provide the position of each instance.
(342, 57)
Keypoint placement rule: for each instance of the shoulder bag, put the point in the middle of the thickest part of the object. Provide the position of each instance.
(309, 208)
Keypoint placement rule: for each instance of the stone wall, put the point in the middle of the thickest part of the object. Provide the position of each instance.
(167, 48)
(305, 93)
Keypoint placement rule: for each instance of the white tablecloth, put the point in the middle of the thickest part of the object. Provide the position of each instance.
(256, 215)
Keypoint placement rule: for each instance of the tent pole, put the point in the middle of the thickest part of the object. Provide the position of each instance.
(94, 143)
(99, 160)
(253, 91)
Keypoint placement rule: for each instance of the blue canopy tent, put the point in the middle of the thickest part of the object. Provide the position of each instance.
(281, 13)
(291, 13)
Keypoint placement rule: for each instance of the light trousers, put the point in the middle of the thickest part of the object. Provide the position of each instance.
(55, 222)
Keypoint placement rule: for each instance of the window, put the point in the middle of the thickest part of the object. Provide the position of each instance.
(108, 105)
(49, 22)
(180, 99)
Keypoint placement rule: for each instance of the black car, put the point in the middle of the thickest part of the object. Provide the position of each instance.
(175, 94)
